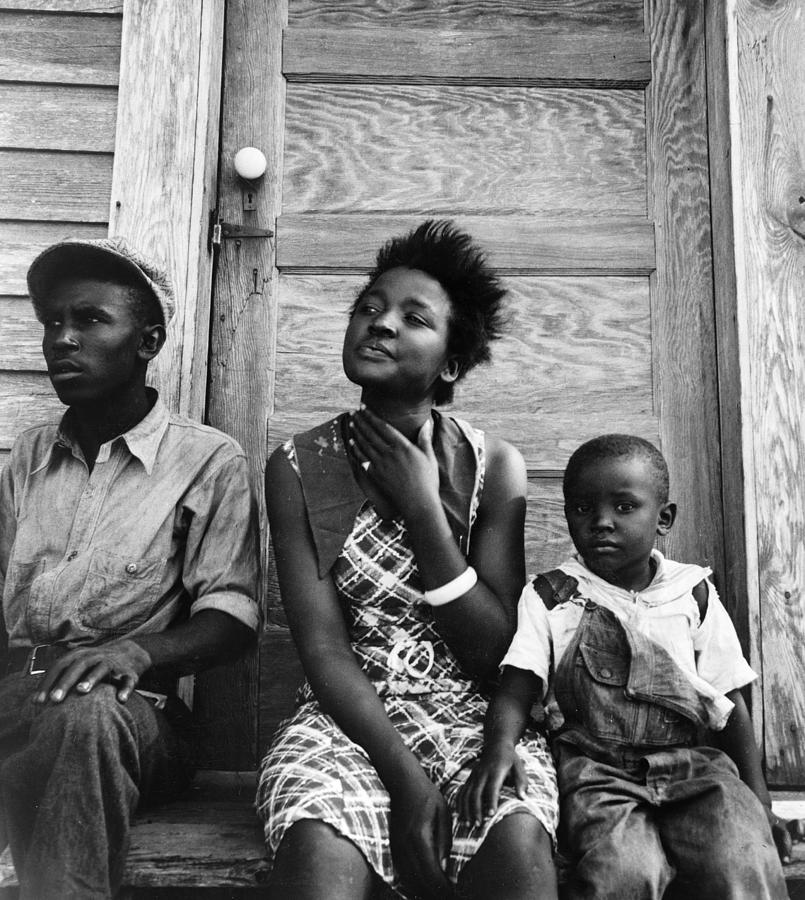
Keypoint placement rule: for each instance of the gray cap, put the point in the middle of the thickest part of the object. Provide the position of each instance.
(57, 261)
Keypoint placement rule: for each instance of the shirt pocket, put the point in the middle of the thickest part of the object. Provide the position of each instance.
(119, 593)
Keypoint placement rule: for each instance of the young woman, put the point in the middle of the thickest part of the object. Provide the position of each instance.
(398, 534)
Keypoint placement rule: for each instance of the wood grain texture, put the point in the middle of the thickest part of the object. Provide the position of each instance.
(26, 399)
(516, 244)
(682, 286)
(513, 15)
(88, 7)
(402, 55)
(20, 336)
(55, 187)
(547, 542)
(59, 49)
(768, 71)
(164, 176)
(585, 344)
(365, 148)
(242, 336)
(57, 117)
(22, 241)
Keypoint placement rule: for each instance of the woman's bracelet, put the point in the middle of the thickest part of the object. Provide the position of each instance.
(454, 589)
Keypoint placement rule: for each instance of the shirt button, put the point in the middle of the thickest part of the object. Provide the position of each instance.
(72, 555)
(606, 673)
(131, 568)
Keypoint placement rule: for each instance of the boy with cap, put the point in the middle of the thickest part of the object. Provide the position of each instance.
(128, 556)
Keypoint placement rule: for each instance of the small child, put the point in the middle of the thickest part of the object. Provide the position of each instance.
(638, 655)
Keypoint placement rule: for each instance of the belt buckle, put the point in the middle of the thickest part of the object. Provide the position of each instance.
(32, 669)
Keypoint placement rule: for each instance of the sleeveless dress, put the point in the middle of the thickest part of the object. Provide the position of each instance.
(312, 770)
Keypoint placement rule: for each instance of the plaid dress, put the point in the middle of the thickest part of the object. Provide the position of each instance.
(312, 770)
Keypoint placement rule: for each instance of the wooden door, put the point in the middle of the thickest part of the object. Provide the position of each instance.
(569, 137)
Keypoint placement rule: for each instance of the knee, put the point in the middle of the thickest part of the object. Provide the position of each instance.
(97, 718)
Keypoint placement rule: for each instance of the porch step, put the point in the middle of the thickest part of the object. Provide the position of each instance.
(210, 844)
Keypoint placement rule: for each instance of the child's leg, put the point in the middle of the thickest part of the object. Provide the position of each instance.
(515, 861)
(718, 838)
(609, 829)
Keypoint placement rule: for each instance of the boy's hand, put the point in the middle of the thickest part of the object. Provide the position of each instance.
(480, 795)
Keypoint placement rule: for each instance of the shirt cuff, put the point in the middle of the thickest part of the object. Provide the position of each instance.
(236, 605)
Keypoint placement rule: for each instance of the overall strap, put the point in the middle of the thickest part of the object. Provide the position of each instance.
(555, 587)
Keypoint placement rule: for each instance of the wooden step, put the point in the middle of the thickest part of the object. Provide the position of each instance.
(210, 844)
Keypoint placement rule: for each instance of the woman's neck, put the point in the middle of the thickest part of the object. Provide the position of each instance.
(406, 416)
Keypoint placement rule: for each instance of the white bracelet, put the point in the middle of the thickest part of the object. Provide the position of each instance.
(454, 589)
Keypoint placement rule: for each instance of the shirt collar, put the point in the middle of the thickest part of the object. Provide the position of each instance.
(142, 440)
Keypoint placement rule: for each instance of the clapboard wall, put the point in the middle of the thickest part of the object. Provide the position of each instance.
(59, 63)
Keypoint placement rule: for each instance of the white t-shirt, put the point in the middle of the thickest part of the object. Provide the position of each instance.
(666, 611)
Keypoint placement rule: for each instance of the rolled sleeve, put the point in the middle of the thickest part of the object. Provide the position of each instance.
(530, 648)
(221, 566)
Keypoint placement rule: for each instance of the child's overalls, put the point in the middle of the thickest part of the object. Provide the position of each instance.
(641, 804)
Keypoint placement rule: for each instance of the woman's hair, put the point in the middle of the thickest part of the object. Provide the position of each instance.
(616, 446)
(448, 255)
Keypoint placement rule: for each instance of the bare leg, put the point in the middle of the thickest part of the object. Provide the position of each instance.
(515, 862)
(314, 862)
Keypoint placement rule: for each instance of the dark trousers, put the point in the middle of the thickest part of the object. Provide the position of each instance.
(71, 776)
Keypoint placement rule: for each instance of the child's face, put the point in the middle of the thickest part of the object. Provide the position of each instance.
(92, 342)
(614, 513)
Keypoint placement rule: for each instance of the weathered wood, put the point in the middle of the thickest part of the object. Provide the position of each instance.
(767, 71)
(367, 148)
(20, 336)
(89, 7)
(401, 55)
(164, 176)
(241, 345)
(55, 187)
(682, 286)
(26, 399)
(547, 542)
(59, 49)
(57, 117)
(733, 589)
(22, 241)
(311, 242)
(513, 15)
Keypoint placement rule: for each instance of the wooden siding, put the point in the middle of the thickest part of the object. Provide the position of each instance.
(58, 96)
(767, 74)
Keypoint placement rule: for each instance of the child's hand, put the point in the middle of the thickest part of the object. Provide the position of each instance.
(786, 832)
(480, 795)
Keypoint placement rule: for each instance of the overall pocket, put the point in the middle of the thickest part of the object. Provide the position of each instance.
(119, 592)
(601, 676)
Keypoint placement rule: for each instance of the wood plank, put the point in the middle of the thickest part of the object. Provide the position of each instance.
(584, 342)
(20, 336)
(733, 589)
(58, 117)
(767, 70)
(88, 7)
(364, 148)
(242, 333)
(164, 176)
(22, 241)
(515, 15)
(55, 187)
(414, 55)
(515, 244)
(547, 542)
(26, 399)
(59, 49)
(682, 286)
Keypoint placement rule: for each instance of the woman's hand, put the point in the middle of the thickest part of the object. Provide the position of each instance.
(480, 794)
(406, 473)
(421, 837)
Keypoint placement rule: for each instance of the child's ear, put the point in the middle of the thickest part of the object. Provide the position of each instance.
(152, 339)
(666, 518)
(451, 370)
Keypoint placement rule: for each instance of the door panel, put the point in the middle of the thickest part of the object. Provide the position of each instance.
(567, 137)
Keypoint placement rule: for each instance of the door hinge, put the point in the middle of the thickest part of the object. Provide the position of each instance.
(227, 231)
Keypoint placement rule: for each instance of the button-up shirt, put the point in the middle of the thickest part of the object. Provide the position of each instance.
(164, 526)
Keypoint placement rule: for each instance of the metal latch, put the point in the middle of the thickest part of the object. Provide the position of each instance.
(227, 231)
